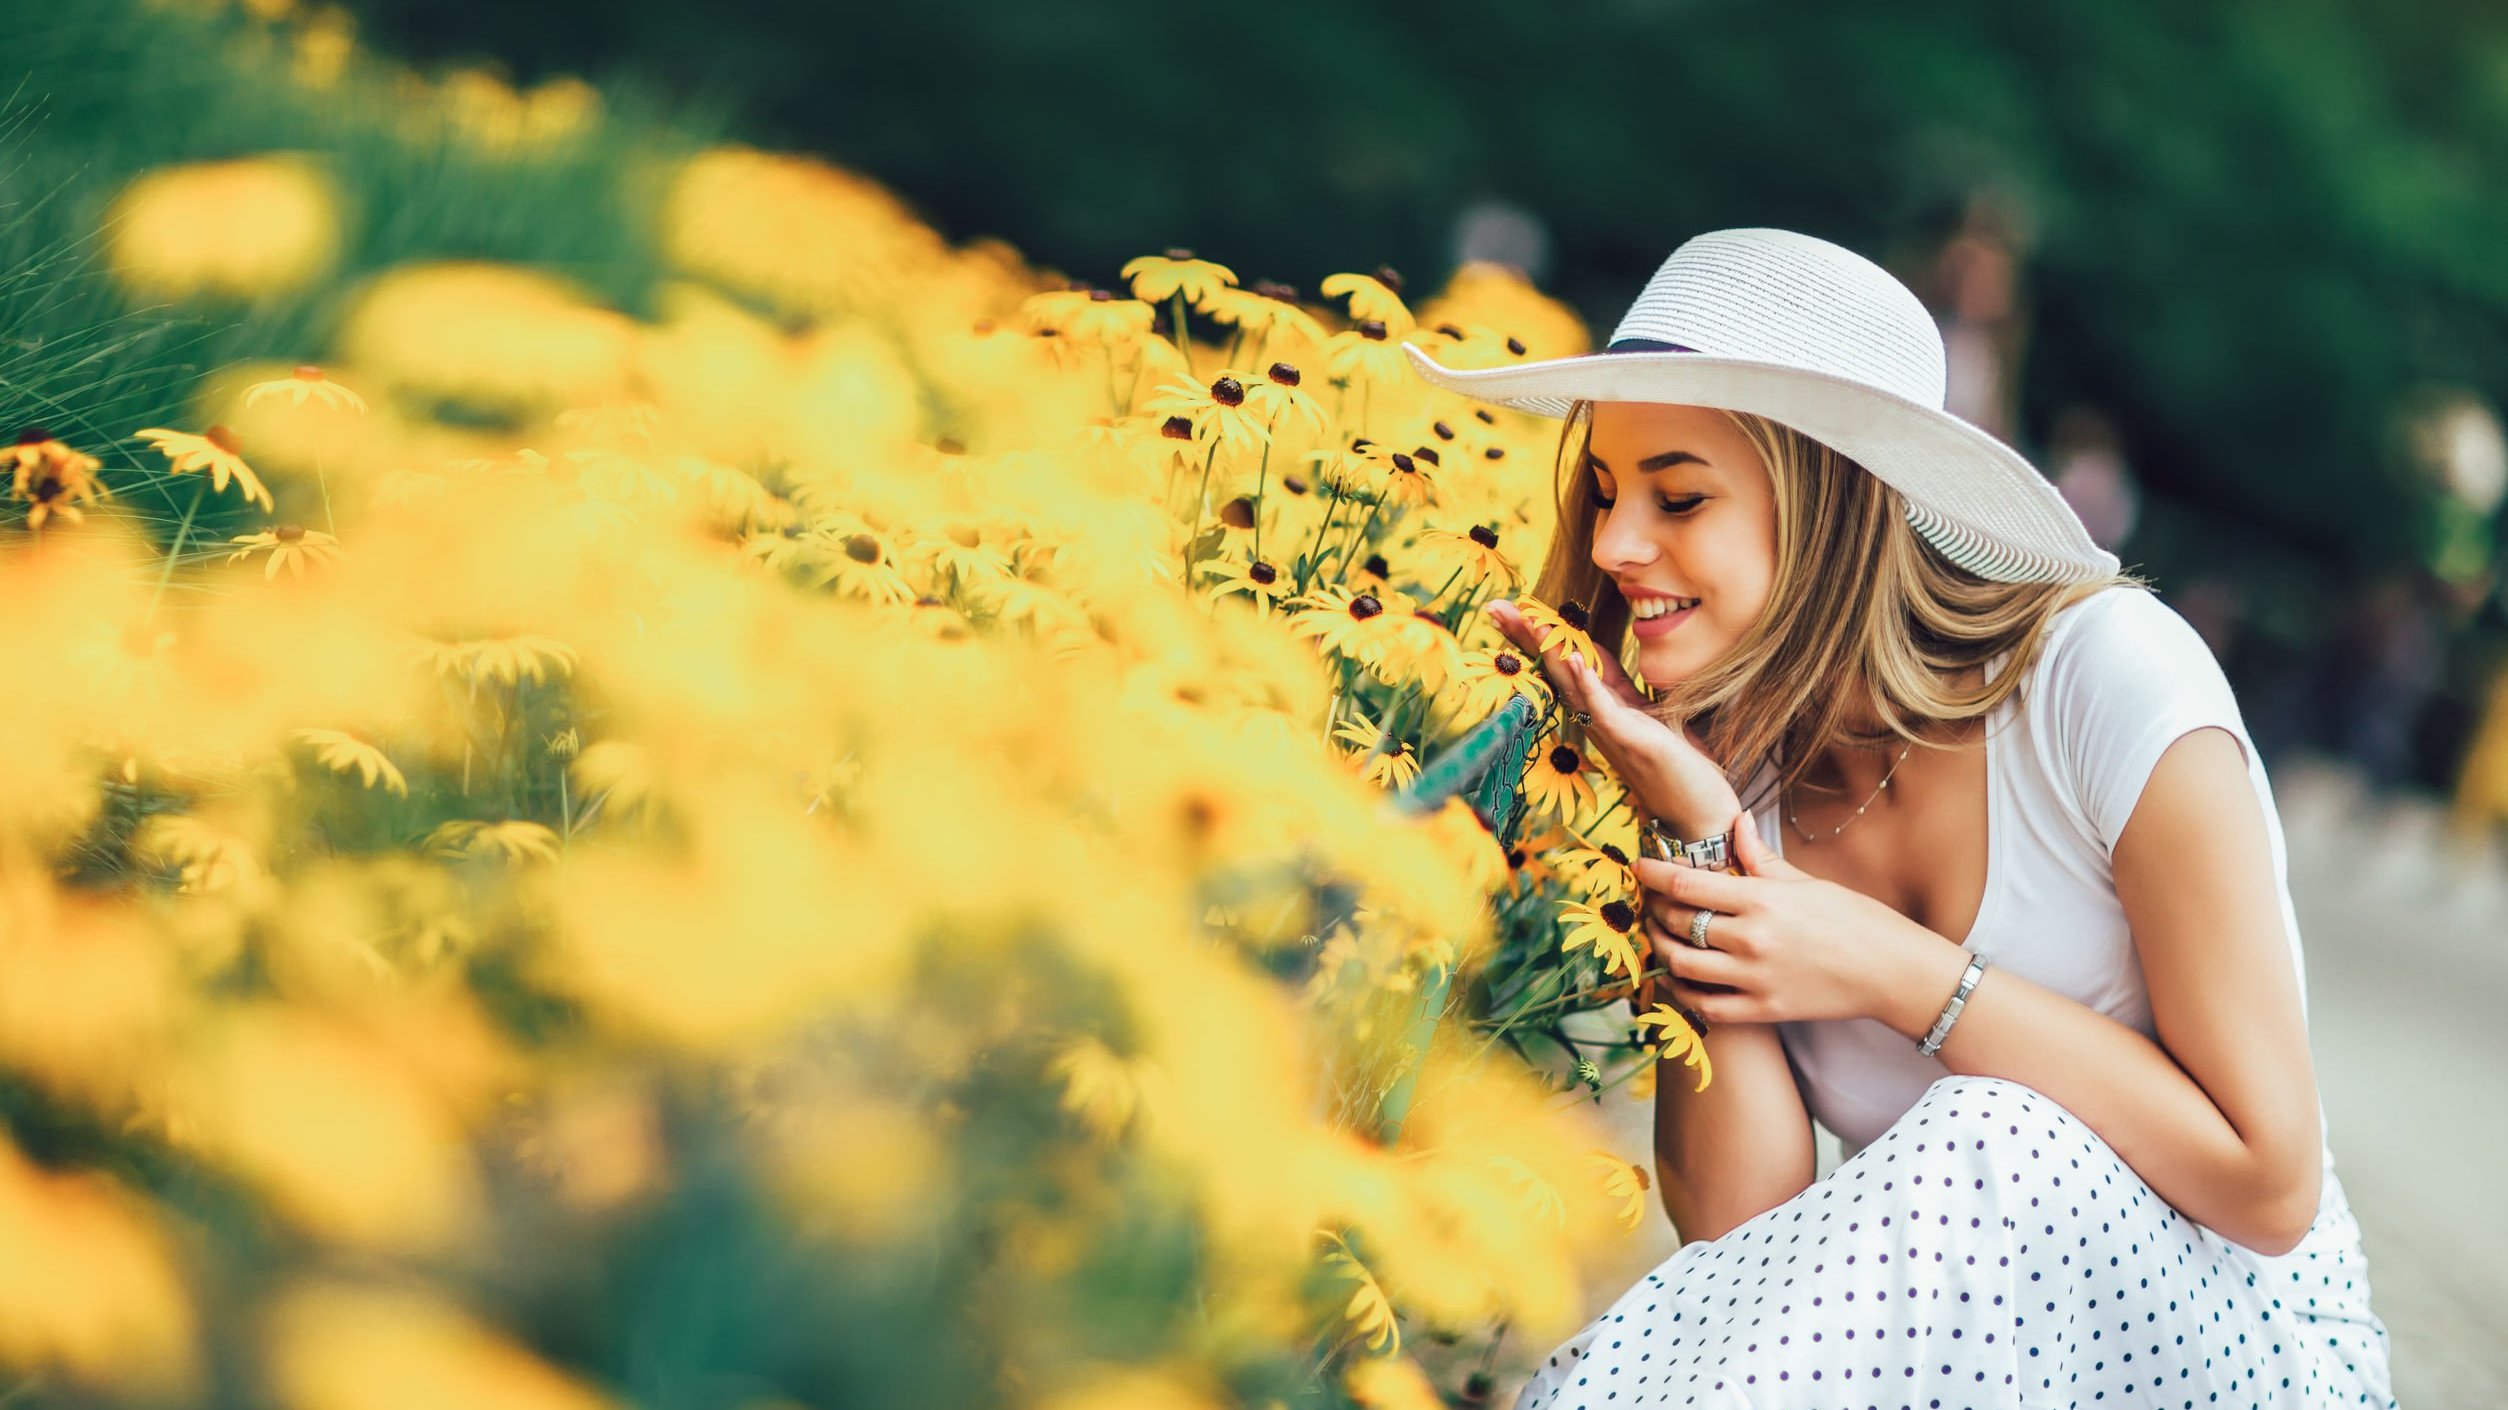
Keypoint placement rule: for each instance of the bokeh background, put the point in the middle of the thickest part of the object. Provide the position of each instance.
(833, 915)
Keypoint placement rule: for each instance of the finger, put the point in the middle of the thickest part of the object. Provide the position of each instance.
(1756, 858)
(1719, 1006)
(1697, 886)
(1689, 963)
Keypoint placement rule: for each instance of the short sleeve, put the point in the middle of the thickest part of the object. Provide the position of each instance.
(2124, 677)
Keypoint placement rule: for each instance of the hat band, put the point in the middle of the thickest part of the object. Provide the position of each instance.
(1645, 345)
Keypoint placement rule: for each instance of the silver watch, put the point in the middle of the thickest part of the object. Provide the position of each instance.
(1713, 853)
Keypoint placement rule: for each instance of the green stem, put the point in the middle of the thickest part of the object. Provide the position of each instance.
(175, 553)
(1307, 564)
(1201, 502)
(1184, 341)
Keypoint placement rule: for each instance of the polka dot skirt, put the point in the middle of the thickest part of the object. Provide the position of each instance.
(1988, 1249)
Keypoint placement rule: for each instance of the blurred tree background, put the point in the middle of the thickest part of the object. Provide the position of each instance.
(2250, 238)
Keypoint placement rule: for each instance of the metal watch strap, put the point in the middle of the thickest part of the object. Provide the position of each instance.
(1712, 853)
(1950, 1011)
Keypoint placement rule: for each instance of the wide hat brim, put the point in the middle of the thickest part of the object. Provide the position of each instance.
(1978, 500)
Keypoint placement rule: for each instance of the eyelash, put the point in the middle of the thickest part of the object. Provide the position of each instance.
(1593, 495)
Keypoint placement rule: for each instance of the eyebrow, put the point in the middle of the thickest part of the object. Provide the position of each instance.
(1656, 462)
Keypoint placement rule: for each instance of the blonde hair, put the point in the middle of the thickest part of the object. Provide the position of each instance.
(1884, 610)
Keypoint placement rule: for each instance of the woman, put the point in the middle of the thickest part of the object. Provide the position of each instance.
(2006, 907)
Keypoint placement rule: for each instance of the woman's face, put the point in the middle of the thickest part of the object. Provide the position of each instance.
(1692, 516)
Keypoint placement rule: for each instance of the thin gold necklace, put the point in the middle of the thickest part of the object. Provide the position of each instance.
(1792, 817)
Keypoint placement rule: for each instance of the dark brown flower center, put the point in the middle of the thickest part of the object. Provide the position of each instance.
(862, 548)
(288, 533)
(1444, 431)
(1403, 463)
(1372, 329)
(1178, 252)
(1487, 417)
(1507, 663)
(307, 372)
(1385, 275)
(1228, 391)
(1573, 613)
(1376, 566)
(223, 439)
(1427, 453)
(1238, 513)
(1485, 536)
(33, 435)
(1494, 453)
(1566, 761)
(1284, 374)
(1612, 850)
(1100, 296)
(1619, 915)
(1177, 428)
(1516, 346)
(1365, 606)
(1262, 572)
(1451, 331)
(1293, 484)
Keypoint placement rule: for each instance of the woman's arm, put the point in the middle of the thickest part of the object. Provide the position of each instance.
(2222, 1120)
(1741, 1147)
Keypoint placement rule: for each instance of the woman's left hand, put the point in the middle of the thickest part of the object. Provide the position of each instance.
(1784, 944)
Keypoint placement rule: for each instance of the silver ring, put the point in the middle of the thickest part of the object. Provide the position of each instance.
(1698, 929)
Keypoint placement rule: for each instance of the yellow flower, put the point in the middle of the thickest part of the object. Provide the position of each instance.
(1562, 630)
(342, 752)
(1371, 301)
(213, 450)
(1100, 1087)
(1262, 316)
(242, 228)
(1369, 1311)
(306, 381)
(1679, 1041)
(505, 660)
(1555, 782)
(1275, 396)
(1488, 679)
(1217, 414)
(48, 475)
(1606, 929)
(1087, 315)
(291, 546)
(1258, 579)
(1474, 551)
(1409, 477)
(1350, 470)
(1365, 351)
(1390, 767)
(1352, 625)
(511, 840)
(1155, 277)
(1627, 1183)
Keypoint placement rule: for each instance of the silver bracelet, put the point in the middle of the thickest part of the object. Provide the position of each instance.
(1950, 1011)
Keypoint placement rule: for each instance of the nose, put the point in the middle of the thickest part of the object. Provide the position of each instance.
(1621, 545)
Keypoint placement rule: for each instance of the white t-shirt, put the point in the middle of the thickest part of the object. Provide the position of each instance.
(2120, 678)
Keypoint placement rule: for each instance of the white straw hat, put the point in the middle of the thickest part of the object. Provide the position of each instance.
(1814, 336)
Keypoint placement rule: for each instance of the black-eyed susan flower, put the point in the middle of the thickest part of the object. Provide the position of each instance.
(1275, 396)
(50, 477)
(1562, 629)
(291, 546)
(1555, 782)
(306, 381)
(1593, 867)
(1262, 316)
(1365, 352)
(1350, 470)
(505, 660)
(1419, 649)
(1488, 679)
(858, 561)
(1389, 761)
(1409, 477)
(1371, 300)
(960, 553)
(1626, 1182)
(1606, 929)
(1261, 580)
(1355, 626)
(237, 228)
(513, 840)
(1474, 552)
(1678, 1040)
(214, 450)
(1217, 413)
(342, 752)
(1157, 277)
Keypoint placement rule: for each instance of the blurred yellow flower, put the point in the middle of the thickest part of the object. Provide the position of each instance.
(89, 1290)
(342, 1346)
(48, 476)
(243, 228)
(1390, 768)
(1356, 625)
(306, 381)
(343, 752)
(291, 546)
(1157, 277)
(1260, 580)
(1626, 1182)
(1474, 552)
(1099, 1087)
(1218, 413)
(1369, 1312)
(1370, 301)
(513, 840)
(214, 450)
(507, 660)
(1390, 1383)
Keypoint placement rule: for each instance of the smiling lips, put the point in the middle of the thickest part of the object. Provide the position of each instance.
(1647, 608)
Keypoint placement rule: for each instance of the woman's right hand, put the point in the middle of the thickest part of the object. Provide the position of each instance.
(1665, 771)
